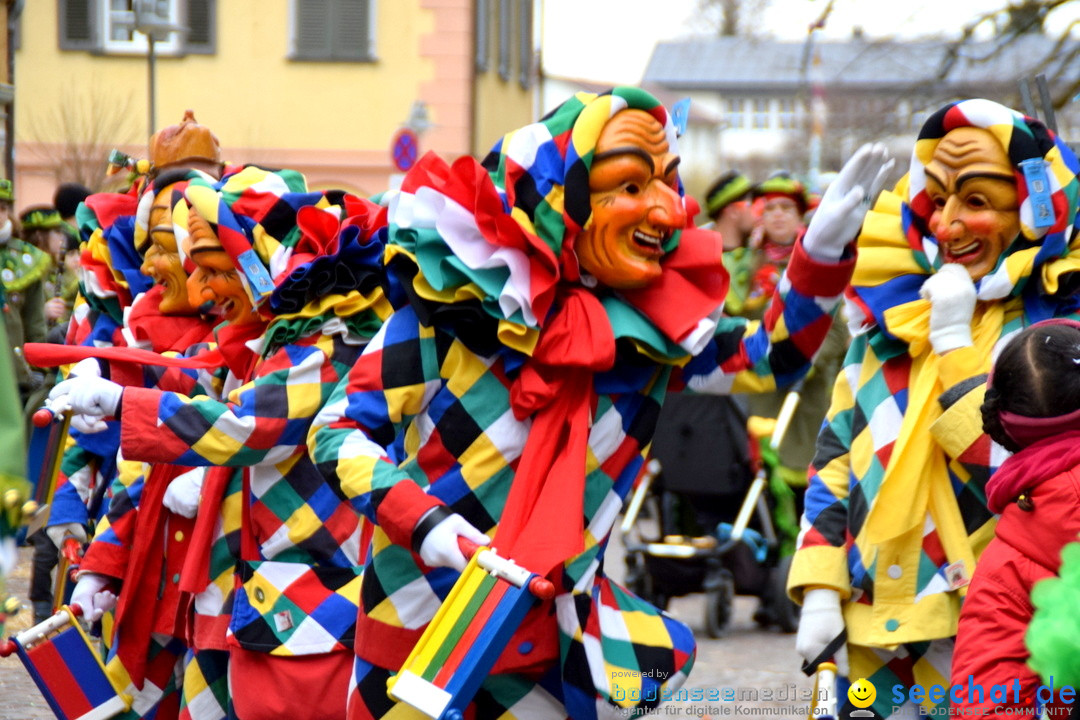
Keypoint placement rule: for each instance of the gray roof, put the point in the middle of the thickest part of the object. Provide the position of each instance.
(741, 64)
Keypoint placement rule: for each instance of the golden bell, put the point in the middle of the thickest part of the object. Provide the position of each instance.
(29, 508)
(12, 498)
(12, 605)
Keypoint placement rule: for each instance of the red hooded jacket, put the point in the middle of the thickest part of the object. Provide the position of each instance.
(1026, 548)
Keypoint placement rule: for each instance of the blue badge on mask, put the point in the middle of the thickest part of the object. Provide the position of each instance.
(1038, 185)
(255, 272)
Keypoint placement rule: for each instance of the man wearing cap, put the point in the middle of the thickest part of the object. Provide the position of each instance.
(44, 228)
(783, 201)
(726, 203)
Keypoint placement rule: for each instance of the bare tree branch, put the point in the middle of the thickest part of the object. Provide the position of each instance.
(76, 131)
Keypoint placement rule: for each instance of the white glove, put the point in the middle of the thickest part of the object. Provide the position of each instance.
(440, 547)
(951, 293)
(93, 595)
(87, 367)
(840, 214)
(88, 424)
(57, 533)
(88, 395)
(819, 623)
(182, 495)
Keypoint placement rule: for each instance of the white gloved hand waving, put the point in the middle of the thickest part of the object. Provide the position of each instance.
(93, 594)
(440, 546)
(952, 296)
(820, 622)
(90, 395)
(182, 495)
(844, 205)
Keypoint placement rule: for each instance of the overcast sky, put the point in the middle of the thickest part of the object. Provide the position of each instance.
(611, 40)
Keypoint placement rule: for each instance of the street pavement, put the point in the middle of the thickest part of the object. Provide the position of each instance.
(749, 671)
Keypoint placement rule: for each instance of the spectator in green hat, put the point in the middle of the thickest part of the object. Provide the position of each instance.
(44, 228)
(728, 206)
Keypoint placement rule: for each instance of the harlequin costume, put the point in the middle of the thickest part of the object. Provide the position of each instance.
(140, 542)
(504, 370)
(275, 554)
(896, 511)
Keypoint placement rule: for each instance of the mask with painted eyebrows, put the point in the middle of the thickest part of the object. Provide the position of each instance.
(162, 259)
(635, 201)
(976, 211)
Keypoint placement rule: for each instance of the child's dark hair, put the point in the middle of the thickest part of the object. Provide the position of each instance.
(1037, 375)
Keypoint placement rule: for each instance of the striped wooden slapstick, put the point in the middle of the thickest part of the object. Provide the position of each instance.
(467, 634)
(64, 664)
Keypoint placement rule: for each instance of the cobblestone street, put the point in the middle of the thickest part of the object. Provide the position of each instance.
(758, 668)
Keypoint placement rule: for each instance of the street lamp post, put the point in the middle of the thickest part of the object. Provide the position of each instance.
(152, 18)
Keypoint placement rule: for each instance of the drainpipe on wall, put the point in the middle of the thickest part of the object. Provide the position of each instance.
(14, 10)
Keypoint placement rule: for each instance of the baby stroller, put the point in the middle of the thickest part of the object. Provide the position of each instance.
(706, 487)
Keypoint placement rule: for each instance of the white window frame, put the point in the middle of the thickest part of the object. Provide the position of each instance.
(735, 113)
(136, 43)
(760, 114)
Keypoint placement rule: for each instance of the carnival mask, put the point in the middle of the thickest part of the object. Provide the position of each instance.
(162, 259)
(636, 206)
(215, 285)
(973, 187)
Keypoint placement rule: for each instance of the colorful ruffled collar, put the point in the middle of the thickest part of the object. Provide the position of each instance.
(499, 236)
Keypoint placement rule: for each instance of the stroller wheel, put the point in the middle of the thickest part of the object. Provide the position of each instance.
(718, 598)
(641, 583)
(784, 612)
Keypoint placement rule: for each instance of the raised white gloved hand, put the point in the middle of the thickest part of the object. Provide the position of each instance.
(843, 207)
(87, 367)
(93, 594)
(440, 546)
(182, 495)
(820, 622)
(88, 395)
(57, 533)
(951, 293)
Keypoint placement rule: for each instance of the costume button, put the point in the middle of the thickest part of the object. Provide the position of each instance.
(176, 578)
(179, 536)
(895, 571)
(892, 625)
(259, 594)
(525, 648)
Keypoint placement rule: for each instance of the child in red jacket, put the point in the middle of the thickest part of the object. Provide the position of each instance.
(1032, 408)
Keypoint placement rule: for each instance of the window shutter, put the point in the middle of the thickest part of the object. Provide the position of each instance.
(77, 24)
(351, 29)
(202, 26)
(525, 44)
(506, 16)
(313, 23)
(482, 29)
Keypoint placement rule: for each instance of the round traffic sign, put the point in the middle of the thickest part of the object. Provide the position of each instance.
(404, 149)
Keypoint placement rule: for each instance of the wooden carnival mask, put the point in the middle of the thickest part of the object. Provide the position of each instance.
(976, 211)
(215, 285)
(636, 206)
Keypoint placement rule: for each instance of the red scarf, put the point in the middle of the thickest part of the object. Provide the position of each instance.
(542, 524)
